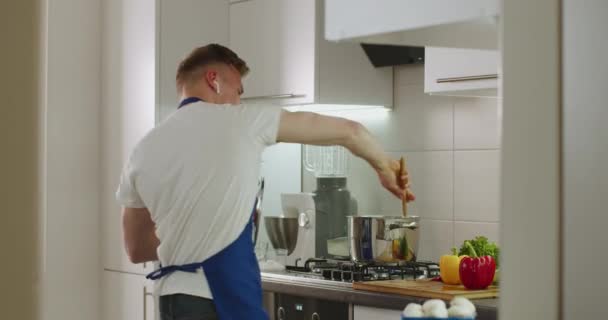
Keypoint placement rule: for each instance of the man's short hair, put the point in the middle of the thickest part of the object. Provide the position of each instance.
(202, 56)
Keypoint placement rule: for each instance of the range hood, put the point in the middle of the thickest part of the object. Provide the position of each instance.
(381, 55)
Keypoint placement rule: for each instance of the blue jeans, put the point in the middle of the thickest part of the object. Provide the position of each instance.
(186, 307)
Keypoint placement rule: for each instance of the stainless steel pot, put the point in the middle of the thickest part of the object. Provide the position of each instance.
(383, 238)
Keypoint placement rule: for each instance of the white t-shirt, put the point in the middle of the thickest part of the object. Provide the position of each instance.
(197, 173)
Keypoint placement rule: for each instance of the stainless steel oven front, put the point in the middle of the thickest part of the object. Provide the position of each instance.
(291, 307)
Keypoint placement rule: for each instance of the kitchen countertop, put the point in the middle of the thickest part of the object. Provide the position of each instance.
(283, 282)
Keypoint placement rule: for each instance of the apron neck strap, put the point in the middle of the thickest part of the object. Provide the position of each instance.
(188, 100)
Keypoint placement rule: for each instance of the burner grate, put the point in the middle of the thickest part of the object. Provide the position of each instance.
(347, 271)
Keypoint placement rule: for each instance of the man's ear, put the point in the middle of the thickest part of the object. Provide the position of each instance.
(210, 78)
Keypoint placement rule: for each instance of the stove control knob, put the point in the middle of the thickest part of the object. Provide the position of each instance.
(315, 316)
(281, 313)
(303, 220)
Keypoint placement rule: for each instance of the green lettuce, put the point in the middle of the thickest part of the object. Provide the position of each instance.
(482, 247)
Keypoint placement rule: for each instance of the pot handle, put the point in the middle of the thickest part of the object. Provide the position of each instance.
(401, 225)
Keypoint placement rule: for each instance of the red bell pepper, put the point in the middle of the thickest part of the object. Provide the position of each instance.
(476, 272)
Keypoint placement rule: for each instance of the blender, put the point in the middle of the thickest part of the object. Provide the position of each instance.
(333, 201)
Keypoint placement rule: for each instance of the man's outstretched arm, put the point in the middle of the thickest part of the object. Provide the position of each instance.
(316, 129)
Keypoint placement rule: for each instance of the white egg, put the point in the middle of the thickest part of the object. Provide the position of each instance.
(437, 312)
(413, 310)
(433, 304)
(464, 302)
(460, 312)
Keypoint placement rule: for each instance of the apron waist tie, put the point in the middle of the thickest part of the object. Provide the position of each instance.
(233, 276)
(164, 271)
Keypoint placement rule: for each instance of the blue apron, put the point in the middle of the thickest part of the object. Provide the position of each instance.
(233, 274)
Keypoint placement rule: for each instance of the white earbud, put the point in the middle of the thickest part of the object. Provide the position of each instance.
(217, 87)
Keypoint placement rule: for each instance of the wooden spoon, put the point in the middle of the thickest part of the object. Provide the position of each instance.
(402, 170)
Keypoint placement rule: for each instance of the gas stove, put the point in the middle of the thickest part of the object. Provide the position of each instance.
(348, 271)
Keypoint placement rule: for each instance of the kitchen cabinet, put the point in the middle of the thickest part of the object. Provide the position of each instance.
(366, 313)
(182, 26)
(461, 72)
(458, 24)
(128, 297)
(291, 64)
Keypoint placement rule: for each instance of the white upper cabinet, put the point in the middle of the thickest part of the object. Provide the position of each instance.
(291, 64)
(458, 24)
(461, 72)
(276, 38)
(182, 26)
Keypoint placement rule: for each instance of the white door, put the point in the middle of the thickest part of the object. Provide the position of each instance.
(277, 40)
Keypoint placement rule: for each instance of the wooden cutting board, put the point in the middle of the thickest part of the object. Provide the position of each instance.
(425, 289)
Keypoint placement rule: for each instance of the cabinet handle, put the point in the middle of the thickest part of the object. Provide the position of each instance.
(145, 303)
(276, 96)
(145, 295)
(468, 78)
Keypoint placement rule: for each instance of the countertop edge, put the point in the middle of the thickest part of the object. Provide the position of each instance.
(486, 308)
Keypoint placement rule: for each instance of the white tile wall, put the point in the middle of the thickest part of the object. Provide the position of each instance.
(452, 147)
(418, 121)
(476, 185)
(364, 185)
(476, 123)
(431, 175)
(436, 239)
(409, 74)
(469, 230)
(278, 162)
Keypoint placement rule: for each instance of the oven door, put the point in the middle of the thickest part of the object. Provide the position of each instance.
(290, 307)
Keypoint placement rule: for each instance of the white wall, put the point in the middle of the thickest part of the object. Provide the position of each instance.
(128, 111)
(452, 147)
(21, 31)
(128, 103)
(585, 155)
(71, 276)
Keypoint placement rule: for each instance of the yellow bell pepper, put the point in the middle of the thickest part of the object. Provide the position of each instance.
(449, 268)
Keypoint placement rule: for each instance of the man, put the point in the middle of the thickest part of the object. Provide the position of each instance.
(189, 186)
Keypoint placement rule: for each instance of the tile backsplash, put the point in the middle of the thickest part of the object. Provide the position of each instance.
(452, 147)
